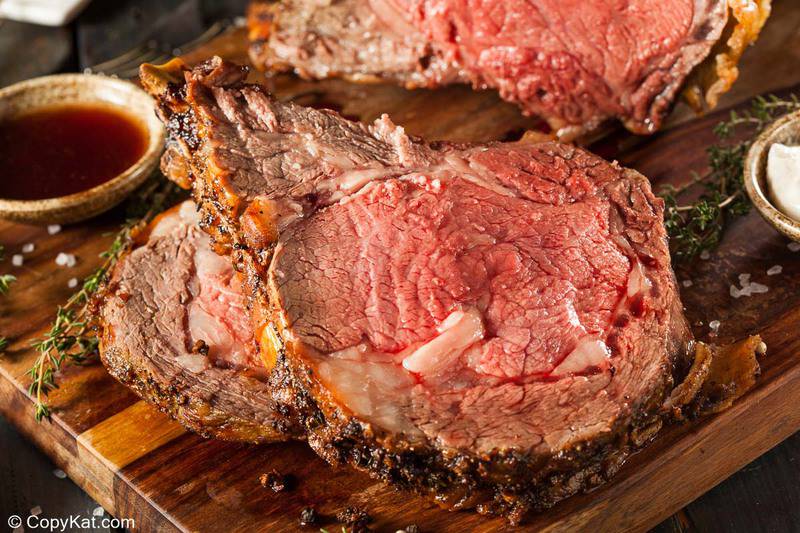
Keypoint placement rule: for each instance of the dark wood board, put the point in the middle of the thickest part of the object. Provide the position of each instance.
(139, 464)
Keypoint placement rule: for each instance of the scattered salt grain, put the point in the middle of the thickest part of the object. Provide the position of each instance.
(704, 255)
(794, 246)
(36, 511)
(98, 511)
(28, 248)
(748, 288)
(757, 288)
(687, 283)
(775, 270)
(714, 325)
(60, 474)
(67, 260)
(17, 260)
(72, 283)
(52, 229)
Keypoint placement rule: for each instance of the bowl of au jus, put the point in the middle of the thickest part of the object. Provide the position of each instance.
(772, 175)
(73, 146)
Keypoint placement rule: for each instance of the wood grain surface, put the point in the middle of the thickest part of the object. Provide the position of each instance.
(139, 464)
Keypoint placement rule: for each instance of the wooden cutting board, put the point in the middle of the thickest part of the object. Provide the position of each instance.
(139, 464)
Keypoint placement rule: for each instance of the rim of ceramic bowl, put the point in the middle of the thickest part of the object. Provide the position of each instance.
(104, 88)
(755, 180)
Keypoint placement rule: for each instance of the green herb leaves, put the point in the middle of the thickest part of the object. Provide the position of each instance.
(5, 283)
(68, 338)
(698, 226)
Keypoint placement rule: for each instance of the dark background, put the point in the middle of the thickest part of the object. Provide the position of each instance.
(763, 497)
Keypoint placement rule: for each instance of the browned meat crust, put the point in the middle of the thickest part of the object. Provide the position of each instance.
(179, 401)
(717, 74)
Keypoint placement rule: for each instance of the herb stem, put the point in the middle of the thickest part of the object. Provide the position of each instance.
(725, 203)
(722, 205)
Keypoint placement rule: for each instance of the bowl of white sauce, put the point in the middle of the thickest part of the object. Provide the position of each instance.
(772, 175)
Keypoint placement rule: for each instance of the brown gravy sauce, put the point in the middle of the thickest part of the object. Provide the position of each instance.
(64, 150)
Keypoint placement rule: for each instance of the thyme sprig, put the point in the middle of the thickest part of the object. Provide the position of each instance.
(72, 337)
(5, 282)
(698, 226)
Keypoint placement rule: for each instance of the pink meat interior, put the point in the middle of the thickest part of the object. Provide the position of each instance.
(216, 310)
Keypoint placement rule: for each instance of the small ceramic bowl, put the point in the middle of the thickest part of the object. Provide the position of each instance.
(85, 89)
(787, 131)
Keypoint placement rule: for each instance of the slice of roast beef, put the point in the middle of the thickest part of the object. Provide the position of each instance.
(574, 63)
(175, 330)
(496, 326)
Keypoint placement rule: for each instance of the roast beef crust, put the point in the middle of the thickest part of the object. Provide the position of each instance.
(717, 74)
(177, 402)
(508, 483)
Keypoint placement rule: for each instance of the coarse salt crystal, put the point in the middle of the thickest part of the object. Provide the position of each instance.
(687, 283)
(704, 255)
(28, 248)
(775, 270)
(744, 280)
(67, 260)
(748, 288)
(714, 325)
(72, 283)
(794, 246)
(98, 511)
(60, 474)
(17, 260)
(757, 288)
(36, 511)
(52, 229)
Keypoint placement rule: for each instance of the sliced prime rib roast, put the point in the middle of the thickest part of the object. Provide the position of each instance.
(495, 326)
(574, 63)
(175, 330)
